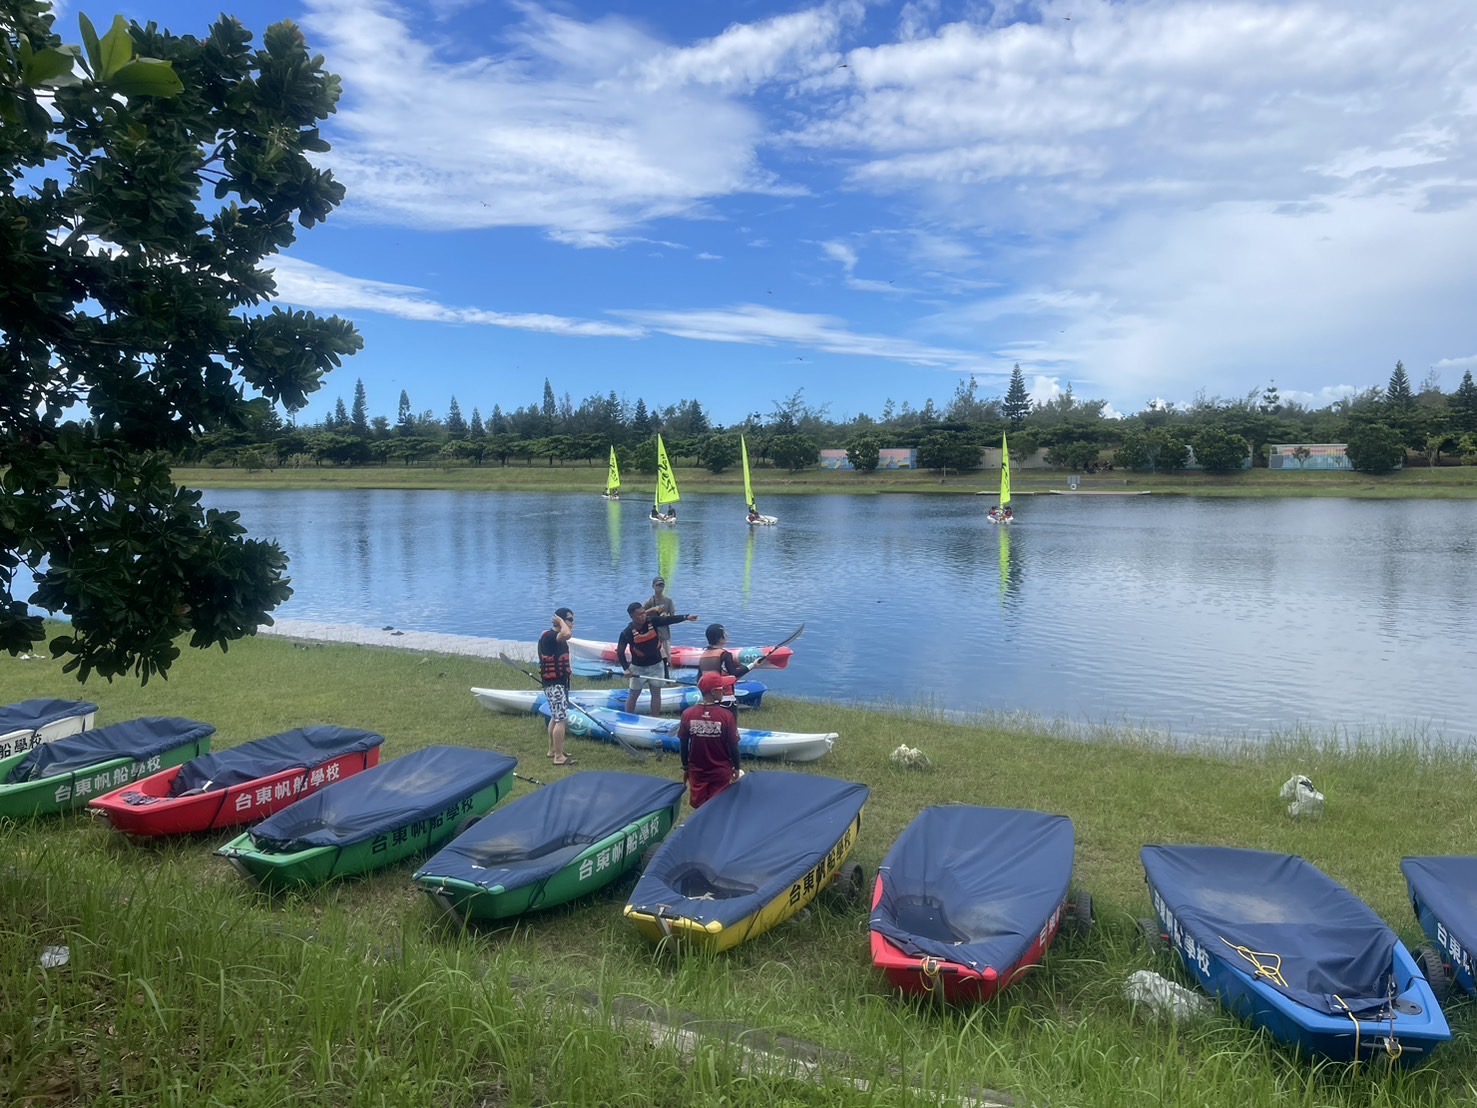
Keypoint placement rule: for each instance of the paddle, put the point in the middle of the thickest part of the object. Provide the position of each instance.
(635, 753)
(777, 646)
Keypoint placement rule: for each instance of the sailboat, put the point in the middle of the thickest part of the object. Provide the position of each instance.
(612, 480)
(1001, 513)
(755, 519)
(666, 487)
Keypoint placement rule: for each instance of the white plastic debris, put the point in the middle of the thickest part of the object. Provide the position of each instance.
(1307, 802)
(1165, 998)
(54, 956)
(910, 757)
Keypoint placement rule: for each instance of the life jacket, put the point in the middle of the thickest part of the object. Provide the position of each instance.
(553, 667)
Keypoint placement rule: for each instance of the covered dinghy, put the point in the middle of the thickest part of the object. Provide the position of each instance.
(1290, 949)
(66, 773)
(241, 785)
(568, 839)
(748, 859)
(375, 818)
(1443, 892)
(968, 898)
(32, 722)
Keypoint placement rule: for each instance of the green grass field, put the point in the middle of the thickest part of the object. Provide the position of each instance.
(186, 986)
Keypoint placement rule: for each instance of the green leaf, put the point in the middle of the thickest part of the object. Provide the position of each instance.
(146, 77)
(38, 69)
(89, 40)
(117, 49)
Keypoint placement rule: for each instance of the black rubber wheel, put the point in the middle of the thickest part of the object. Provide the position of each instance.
(1082, 918)
(1154, 939)
(850, 884)
(465, 826)
(1433, 969)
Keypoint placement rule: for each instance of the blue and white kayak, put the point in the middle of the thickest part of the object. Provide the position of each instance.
(651, 733)
(674, 699)
(1290, 950)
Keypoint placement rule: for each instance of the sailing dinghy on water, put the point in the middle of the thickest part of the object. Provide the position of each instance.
(612, 480)
(1002, 513)
(666, 487)
(755, 519)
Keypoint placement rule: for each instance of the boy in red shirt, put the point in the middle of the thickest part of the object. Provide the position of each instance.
(708, 736)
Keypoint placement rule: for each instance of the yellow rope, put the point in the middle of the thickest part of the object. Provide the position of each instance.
(1272, 971)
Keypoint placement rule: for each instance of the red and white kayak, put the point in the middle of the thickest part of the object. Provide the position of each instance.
(686, 657)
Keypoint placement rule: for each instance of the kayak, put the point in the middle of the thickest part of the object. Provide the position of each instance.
(241, 785)
(374, 819)
(674, 698)
(968, 899)
(564, 841)
(749, 859)
(652, 733)
(686, 657)
(32, 722)
(1290, 950)
(65, 773)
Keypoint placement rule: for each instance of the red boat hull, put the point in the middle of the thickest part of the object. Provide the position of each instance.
(248, 802)
(686, 657)
(952, 982)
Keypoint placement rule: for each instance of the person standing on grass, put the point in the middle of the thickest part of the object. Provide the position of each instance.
(639, 653)
(660, 604)
(554, 671)
(709, 741)
(717, 658)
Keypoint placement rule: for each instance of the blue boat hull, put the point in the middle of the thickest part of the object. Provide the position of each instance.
(1442, 893)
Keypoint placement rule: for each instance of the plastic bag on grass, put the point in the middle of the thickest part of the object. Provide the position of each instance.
(1307, 802)
(1164, 997)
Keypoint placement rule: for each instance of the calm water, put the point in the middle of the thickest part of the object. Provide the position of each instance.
(1193, 616)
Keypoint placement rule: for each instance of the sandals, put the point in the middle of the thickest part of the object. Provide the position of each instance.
(567, 761)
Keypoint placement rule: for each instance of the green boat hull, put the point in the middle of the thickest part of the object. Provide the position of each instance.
(584, 875)
(318, 865)
(66, 791)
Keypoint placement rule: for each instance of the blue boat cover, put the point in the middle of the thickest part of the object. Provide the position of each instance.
(1279, 919)
(415, 786)
(32, 715)
(301, 749)
(747, 845)
(1448, 886)
(535, 837)
(139, 739)
(974, 886)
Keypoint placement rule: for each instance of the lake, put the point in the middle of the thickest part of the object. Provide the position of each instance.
(1198, 617)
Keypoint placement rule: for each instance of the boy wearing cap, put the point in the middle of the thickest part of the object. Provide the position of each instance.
(709, 739)
(660, 604)
(639, 653)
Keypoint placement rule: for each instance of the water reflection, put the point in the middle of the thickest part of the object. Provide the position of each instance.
(1194, 615)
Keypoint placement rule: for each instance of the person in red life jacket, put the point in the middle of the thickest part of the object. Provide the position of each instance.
(717, 658)
(639, 652)
(553, 670)
(708, 736)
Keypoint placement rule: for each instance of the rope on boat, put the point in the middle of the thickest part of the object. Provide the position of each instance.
(1271, 970)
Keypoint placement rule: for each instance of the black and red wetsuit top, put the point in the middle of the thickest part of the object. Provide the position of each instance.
(553, 659)
(717, 659)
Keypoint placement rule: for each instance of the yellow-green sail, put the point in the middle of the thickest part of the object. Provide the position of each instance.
(1004, 472)
(613, 478)
(748, 485)
(666, 480)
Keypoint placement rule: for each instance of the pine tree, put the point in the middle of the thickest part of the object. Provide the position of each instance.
(456, 426)
(640, 421)
(340, 415)
(1271, 400)
(1398, 393)
(1464, 404)
(477, 430)
(499, 422)
(551, 407)
(359, 413)
(405, 419)
(1017, 405)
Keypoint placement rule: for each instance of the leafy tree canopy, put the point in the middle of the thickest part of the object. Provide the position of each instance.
(127, 321)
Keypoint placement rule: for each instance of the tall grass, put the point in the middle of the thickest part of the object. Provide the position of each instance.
(186, 986)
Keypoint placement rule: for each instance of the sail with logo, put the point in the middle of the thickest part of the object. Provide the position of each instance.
(666, 487)
(612, 479)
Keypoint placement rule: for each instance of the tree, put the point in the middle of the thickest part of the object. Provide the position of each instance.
(359, 414)
(1219, 450)
(1017, 405)
(1398, 394)
(550, 407)
(128, 322)
(641, 421)
(476, 431)
(794, 452)
(945, 450)
(1463, 404)
(864, 454)
(1271, 400)
(456, 426)
(340, 416)
(405, 417)
(718, 452)
(1375, 448)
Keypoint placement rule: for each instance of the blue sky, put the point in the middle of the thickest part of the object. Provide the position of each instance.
(875, 200)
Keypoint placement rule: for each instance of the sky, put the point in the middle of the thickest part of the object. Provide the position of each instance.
(872, 201)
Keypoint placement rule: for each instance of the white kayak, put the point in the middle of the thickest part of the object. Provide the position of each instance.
(674, 698)
(661, 734)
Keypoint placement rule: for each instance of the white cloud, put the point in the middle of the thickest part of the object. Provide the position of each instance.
(1467, 362)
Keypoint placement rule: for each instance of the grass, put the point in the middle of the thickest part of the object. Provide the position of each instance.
(187, 987)
(1416, 482)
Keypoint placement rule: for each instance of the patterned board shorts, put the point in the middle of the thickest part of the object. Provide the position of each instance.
(642, 676)
(558, 698)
